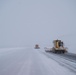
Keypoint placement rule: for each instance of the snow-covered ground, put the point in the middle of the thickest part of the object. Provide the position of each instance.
(29, 61)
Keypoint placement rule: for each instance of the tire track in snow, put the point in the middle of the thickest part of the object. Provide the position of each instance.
(62, 61)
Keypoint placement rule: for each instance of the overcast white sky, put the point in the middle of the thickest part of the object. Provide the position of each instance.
(27, 22)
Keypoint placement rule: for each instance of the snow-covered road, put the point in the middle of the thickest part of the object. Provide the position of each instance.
(29, 61)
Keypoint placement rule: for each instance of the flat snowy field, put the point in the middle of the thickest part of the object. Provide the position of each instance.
(29, 61)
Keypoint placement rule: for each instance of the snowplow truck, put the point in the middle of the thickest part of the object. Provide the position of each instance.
(37, 46)
(58, 47)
